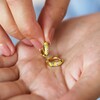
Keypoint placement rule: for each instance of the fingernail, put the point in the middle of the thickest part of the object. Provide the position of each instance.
(36, 44)
(4, 50)
(27, 42)
(51, 34)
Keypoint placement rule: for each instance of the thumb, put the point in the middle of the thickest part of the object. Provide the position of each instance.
(87, 87)
(52, 13)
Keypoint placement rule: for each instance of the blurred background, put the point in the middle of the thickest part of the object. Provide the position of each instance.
(76, 8)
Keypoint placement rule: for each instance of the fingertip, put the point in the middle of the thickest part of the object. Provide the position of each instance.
(32, 31)
(51, 34)
(41, 40)
(36, 44)
(11, 47)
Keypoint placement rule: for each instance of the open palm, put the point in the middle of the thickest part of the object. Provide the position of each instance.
(26, 76)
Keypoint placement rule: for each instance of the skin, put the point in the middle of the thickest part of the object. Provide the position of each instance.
(26, 76)
(18, 19)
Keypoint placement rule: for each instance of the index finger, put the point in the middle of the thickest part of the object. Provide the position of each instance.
(24, 15)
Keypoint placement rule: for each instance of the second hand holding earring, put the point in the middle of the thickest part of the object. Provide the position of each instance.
(51, 61)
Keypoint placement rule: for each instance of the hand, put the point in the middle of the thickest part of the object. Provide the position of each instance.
(17, 18)
(28, 77)
(76, 79)
(79, 45)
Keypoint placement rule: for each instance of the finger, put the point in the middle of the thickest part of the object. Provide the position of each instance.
(6, 46)
(9, 74)
(7, 21)
(52, 13)
(8, 61)
(88, 86)
(10, 89)
(27, 97)
(24, 16)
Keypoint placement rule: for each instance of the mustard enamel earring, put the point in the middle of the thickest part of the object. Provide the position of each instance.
(51, 61)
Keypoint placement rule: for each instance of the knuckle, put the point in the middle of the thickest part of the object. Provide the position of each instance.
(13, 31)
